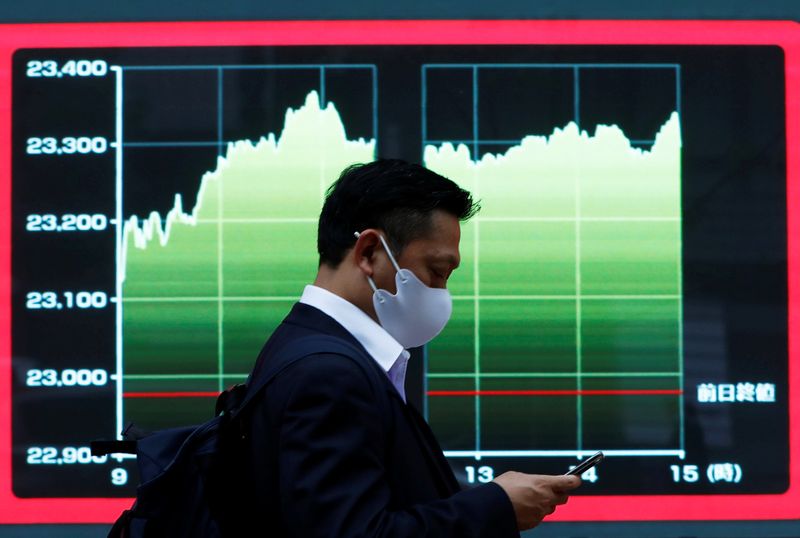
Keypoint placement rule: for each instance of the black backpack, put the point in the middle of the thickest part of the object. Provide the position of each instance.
(188, 476)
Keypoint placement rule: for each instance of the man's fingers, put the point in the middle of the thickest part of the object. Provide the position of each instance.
(567, 483)
(536, 496)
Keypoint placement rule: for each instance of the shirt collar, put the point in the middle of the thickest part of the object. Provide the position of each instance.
(378, 343)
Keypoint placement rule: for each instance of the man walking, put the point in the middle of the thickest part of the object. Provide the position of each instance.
(334, 448)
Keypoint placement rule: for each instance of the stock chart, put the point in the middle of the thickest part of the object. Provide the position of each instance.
(623, 288)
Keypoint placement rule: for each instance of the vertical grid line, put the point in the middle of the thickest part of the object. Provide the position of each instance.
(323, 163)
(220, 224)
(681, 398)
(425, 382)
(219, 111)
(424, 119)
(475, 130)
(423, 127)
(322, 96)
(576, 96)
(477, 309)
(476, 257)
(578, 313)
(118, 292)
(374, 71)
(678, 90)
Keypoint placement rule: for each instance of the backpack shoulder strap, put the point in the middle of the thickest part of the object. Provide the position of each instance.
(298, 349)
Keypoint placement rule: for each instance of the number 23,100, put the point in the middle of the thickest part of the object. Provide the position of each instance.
(50, 300)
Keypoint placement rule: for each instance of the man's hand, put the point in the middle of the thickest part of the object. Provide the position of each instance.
(535, 496)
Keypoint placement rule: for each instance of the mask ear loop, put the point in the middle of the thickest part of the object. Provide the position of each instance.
(369, 278)
(391, 258)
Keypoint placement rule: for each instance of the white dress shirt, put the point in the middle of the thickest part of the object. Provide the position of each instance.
(386, 351)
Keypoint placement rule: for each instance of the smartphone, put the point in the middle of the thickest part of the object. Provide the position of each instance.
(587, 464)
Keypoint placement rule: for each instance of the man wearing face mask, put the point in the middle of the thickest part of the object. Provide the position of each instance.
(334, 448)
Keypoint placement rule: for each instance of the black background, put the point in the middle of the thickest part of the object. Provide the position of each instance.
(734, 209)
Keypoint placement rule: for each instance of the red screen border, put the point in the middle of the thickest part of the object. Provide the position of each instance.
(185, 34)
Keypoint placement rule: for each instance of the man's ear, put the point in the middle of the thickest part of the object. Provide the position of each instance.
(367, 243)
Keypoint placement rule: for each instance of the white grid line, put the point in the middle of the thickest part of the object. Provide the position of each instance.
(443, 375)
(275, 298)
(477, 321)
(478, 454)
(119, 254)
(220, 239)
(467, 375)
(578, 313)
(168, 377)
(314, 220)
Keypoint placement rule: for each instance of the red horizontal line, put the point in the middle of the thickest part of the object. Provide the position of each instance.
(170, 394)
(632, 392)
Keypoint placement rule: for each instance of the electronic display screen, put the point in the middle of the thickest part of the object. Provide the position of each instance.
(630, 284)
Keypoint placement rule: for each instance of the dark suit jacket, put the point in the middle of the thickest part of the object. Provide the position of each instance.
(327, 460)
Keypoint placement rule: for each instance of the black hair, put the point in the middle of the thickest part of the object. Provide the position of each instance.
(393, 195)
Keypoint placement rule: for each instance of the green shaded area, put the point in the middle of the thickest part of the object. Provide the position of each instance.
(185, 267)
(246, 250)
(528, 422)
(453, 418)
(632, 383)
(170, 337)
(247, 325)
(527, 258)
(527, 335)
(617, 180)
(274, 259)
(630, 258)
(579, 264)
(625, 422)
(184, 384)
(454, 349)
(151, 414)
(631, 335)
(462, 280)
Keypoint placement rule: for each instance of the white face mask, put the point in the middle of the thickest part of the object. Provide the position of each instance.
(417, 313)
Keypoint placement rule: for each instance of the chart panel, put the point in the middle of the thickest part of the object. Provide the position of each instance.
(205, 238)
(204, 283)
(586, 313)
